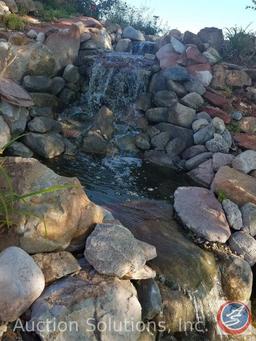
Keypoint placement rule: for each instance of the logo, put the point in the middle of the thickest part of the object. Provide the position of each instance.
(234, 318)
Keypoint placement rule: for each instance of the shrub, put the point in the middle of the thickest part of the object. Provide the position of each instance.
(241, 45)
(14, 22)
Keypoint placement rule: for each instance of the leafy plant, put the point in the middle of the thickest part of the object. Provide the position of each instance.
(241, 45)
(234, 127)
(14, 22)
(221, 196)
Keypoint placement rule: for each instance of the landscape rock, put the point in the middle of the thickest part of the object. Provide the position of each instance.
(43, 125)
(192, 151)
(248, 124)
(212, 55)
(216, 99)
(177, 45)
(124, 45)
(47, 145)
(167, 57)
(197, 160)
(245, 141)
(176, 131)
(176, 73)
(88, 300)
(95, 143)
(249, 218)
(112, 250)
(237, 115)
(217, 144)
(178, 88)
(37, 83)
(157, 115)
(56, 265)
(160, 141)
(71, 73)
(245, 245)
(217, 112)
(203, 135)
(193, 100)
(194, 55)
(199, 124)
(213, 36)
(182, 115)
(245, 162)
(16, 117)
(219, 125)
(22, 283)
(203, 174)
(19, 149)
(165, 99)
(201, 212)
(133, 34)
(237, 186)
(194, 85)
(221, 160)
(233, 214)
(175, 147)
(5, 134)
(238, 78)
(143, 102)
(57, 85)
(142, 142)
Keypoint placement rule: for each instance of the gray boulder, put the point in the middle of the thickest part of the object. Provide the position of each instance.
(233, 214)
(249, 218)
(37, 83)
(43, 125)
(5, 134)
(244, 245)
(165, 99)
(217, 144)
(193, 100)
(157, 115)
(245, 162)
(194, 85)
(199, 124)
(19, 149)
(182, 115)
(133, 34)
(221, 160)
(192, 151)
(203, 135)
(16, 117)
(71, 73)
(197, 160)
(47, 145)
(21, 284)
(203, 174)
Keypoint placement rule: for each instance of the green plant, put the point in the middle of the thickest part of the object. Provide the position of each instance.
(240, 47)
(234, 127)
(221, 196)
(14, 22)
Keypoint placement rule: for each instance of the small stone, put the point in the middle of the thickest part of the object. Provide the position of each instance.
(57, 86)
(217, 144)
(245, 162)
(175, 147)
(203, 174)
(227, 137)
(237, 115)
(233, 214)
(193, 100)
(203, 135)
(124, 45)
(177, 45)
(157, 115)
(182, 115)
(133, 34)
(194, 85)
(219, 125)
(165, 99)
(197, 160)
(199, 124)
(176, 73)
(43, 125)
(249, 218)
(40, 37)
(32, 34)
(245, 245)
(205, 115)
(192, 151)
(221, 159)
(212, 55)
(160, 141)
(37, 83)
(142, 142)
(245, 141)
(19, 149)
(143, 103)
(248, 125)
(46, 145)
(71, 73)
(178, 88)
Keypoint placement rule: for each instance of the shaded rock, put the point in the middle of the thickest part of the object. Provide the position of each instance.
(42, 111)
(71, 73)
(212, 55)
(219, 125)
(197, 160)
(205, 77)
(56, 265)
(177, 45)
(124, 45)
(194, 85)
(57, 85)
(227, 137)
(194, 55)
(95, 143)
(12, 5)
(156, 115)
(19, 149)
(47, 145)
(176, 73)
(161, 158)
(133, 34)
(245, 162)
(219, 77)
(67, 96)
(157, 83)
(248, 124)
(43, 125)
(16, 117)
(175, 147)
(176, 131)
(199, 124)
(193, 100)
(216, 112)
(99, 39)
(245, 245)
(203, 174)
(150, 299)
(238, 187)
(112, 250)
(217, 144)
(213, 36)
(204, 115)
(143, 102)
(220, 160)
(88, 300)
(142, 142)
(190, 152)
(238, 78)
(42, 99)
(178, 88)
(160, 141)
(22, 283)
(236, 278)
(64, 45)
(37, 83)
(5, 135)
(55, 218)
(203, 135)
(14, 94)
(104, 121)
(182, 115)
(216, 99)
(233, 214)
(249, 218)
(201, 212)
(167, 57)
(165, 99)
(245, 141)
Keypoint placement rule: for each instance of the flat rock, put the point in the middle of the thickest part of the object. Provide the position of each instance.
(217, 112)
(204, 134)
(21, 284)
(192, 151)
(221, 160)
(245, 162)
(201, 212)
(233, 214)
(245, 141)
(197, 160)
(249, 218)
(193, 100)
(245, 245)
(131, 33)
(112, 250)
(236, 186)
(182, 115)
(56, 265)
(165, 98)
(176, 131)
(199, 124)
(203, 174)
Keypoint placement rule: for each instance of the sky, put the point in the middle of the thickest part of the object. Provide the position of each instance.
(193, 15)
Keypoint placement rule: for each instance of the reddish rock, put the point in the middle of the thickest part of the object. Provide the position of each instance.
(167, 57)
(237, 186)
(194, 55)
(247, 141)
(193, 69)
(248, 125)
(216, 99)
(216, 112)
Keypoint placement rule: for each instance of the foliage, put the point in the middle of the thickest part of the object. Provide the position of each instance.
(252, 6)
(221, 196)
(13, 22)
(56, 9)
(241, 45)
(234, 127)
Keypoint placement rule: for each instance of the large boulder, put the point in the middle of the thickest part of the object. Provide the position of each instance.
(201, 212)
(50, 221)
(213, 36)
(21, 283)
(64, 45)
(100, 39)
(88, 302)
